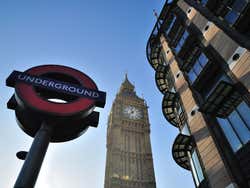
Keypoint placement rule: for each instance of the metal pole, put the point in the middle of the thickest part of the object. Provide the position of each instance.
(33, 162)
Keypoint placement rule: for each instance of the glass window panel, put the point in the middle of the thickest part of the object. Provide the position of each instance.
(204, 2)
(179, 109)
(231, 17)
(185, 35)
(172, 90)
(197, 166)
(192, 76)
(193, 170)
(185, 130)
(225, 78)
(203, 59)
(244, 111)
(239, 5)
(197, 68)
(181, 41)
(230, 134)
(178, 48)
(239, 126)
(171, 25)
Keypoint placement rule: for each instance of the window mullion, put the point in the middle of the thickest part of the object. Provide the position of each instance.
(245, 123)
(235, 131)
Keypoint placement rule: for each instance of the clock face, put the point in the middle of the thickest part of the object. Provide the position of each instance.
(132, 112)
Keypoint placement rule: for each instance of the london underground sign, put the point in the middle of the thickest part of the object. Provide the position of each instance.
(40, 114)
(55, 85)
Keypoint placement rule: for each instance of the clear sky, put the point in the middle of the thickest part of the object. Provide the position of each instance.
(104, 39)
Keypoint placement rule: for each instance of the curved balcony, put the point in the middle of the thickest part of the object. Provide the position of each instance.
(153, 54)
(182, 145)
(172, 109)
(163, 79)
(153, 48)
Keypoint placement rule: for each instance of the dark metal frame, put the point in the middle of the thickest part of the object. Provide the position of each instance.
(169, 109)
(222, 101)
(155, 34)
(189, 52)
(181, 146)
(164, 79)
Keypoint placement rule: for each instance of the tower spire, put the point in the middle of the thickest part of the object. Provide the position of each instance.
(126, 75)
(127, 86)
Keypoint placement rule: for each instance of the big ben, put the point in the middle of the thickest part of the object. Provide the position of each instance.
(129, 161)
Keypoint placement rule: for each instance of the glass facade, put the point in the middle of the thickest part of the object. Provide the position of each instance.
(181, 41)
(198, 67)
(236, 126)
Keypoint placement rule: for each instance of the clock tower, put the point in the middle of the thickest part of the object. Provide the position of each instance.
(129, 161)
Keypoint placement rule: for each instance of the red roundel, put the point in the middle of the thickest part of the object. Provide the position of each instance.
(30, 97)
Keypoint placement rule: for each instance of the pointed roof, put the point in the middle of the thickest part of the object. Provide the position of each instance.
(127, 86)
(127, 83)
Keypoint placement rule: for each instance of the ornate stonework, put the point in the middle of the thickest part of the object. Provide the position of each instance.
(129, 162)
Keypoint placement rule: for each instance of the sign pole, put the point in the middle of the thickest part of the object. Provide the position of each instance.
(34, 110)
(33, 162)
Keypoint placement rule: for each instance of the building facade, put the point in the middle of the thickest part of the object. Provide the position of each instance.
(129, 161)
(200, 53)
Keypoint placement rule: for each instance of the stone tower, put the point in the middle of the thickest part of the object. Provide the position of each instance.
(129, 161)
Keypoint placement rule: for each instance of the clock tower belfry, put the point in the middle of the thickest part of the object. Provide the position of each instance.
(129, 161)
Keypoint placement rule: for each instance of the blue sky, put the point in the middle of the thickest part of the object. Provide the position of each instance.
(104, 39)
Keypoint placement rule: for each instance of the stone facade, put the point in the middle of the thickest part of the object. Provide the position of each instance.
(129, 161)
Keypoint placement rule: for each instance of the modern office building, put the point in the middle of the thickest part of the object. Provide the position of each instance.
(129, 161)
(200, 53)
